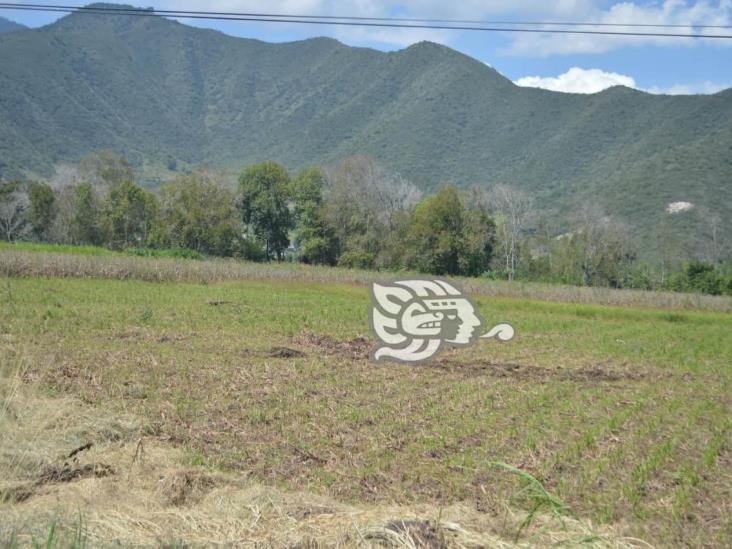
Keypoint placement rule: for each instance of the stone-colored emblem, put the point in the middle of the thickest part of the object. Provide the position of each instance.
(414, 319)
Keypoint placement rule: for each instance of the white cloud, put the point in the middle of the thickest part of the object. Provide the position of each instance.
(673, 12)
(578, 80)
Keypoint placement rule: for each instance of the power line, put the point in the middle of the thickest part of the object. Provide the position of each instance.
(395, 19)
(348, 21)
(364, 18)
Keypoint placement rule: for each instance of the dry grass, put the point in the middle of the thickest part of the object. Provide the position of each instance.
(148, 496)
(29, 264)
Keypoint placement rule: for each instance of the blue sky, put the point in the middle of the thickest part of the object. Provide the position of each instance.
(560, 62)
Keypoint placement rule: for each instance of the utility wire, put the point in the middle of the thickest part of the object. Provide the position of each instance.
(180, 13)
(275, 18)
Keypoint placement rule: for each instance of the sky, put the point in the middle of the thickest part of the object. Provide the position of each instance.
(567, 63)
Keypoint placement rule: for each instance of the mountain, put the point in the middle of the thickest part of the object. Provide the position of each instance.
(6, 25)
(166, 94)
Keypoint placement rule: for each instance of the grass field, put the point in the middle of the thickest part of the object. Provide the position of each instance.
(96, 251)
(56, 248)
(622, 414)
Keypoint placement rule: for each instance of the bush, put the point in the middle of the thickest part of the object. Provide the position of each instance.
(356, 259)
(699, 277)
(252, 250)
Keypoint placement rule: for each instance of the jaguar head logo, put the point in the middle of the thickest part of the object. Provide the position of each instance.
(413, 319)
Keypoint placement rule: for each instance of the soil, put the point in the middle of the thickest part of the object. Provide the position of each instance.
(356, 348)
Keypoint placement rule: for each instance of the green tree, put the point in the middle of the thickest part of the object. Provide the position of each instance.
(198, 213)
(444, 237)
(263, 202)
(84, 223)
(128, 215)
(699, 276)
(436, 233)
(41, 209)
(314, 235)
(393, 249)
(479, 236)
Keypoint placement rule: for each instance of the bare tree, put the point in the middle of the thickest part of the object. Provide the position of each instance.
(64, 175)
(65, 205)
(601, 247)
(360, 188)
(359, 181)
(713, 242)
(13, 206)
(512, 208)
(478, 199)
(104, 168)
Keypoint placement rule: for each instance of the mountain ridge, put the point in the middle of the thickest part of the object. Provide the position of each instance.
(7, 25)
(166, 94)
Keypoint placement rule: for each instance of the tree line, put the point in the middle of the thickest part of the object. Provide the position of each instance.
(354, 214)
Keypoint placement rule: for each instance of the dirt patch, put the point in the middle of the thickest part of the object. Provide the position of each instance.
(539, 373)
(359, 348)
(598, 373)
(285, 352)
(356, 348)
(218, 302)
(66, 473)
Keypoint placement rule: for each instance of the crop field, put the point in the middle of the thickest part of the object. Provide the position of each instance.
(247, 411)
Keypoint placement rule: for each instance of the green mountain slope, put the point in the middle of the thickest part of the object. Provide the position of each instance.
(157, 90)
(6, 25)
